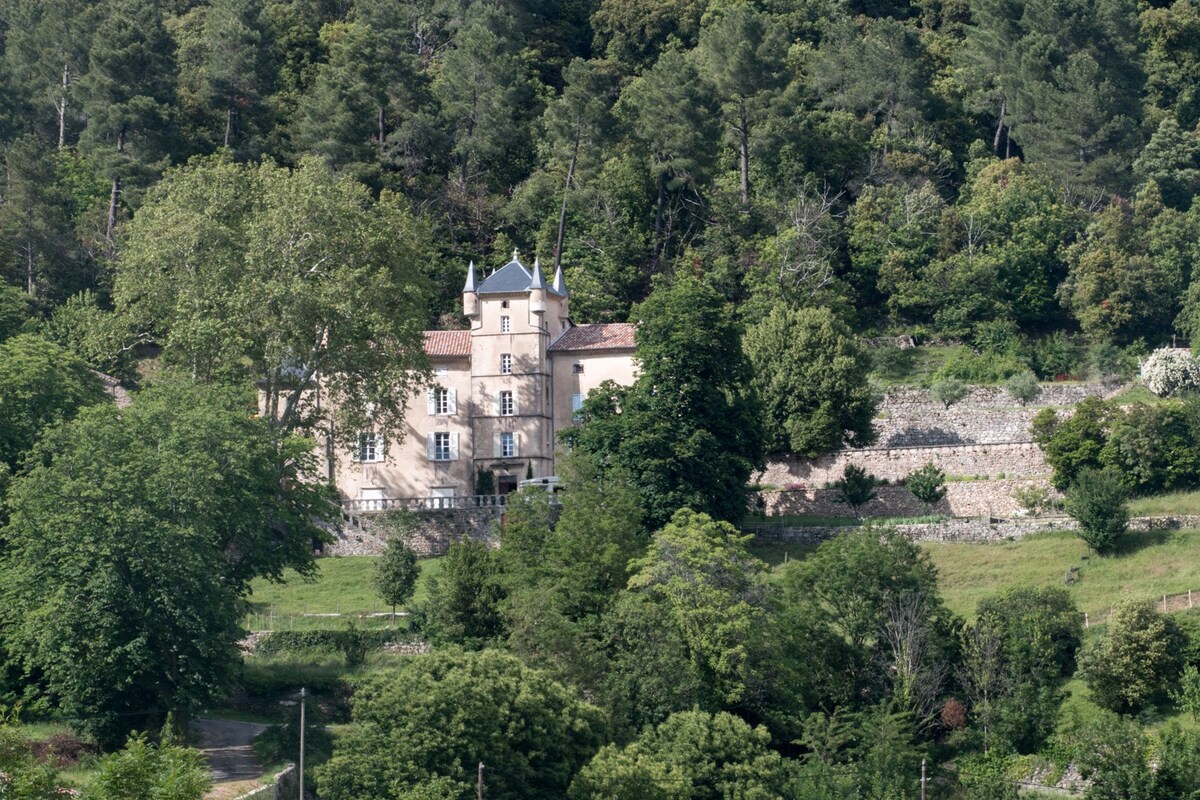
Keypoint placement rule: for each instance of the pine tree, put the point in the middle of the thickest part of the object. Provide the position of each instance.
(127, 97)
(237, 67)
(742, 54)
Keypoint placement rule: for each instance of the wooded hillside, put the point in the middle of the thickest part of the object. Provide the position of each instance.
(965, 169)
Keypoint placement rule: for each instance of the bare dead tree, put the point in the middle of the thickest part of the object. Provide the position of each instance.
(983, 676)
(917, 670)
(807, 254)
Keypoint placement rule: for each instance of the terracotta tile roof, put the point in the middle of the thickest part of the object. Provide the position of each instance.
(601, 336)
(448, 344)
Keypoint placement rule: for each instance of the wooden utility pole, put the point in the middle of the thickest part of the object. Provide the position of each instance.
(479, 782)
(302, 696)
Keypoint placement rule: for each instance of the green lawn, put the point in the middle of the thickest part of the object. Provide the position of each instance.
(1138, 394)
(1150, 565)
(915, 366)
(343, 587)
(1173, 503)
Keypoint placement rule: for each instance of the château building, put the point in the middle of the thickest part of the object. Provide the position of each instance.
(502, 390)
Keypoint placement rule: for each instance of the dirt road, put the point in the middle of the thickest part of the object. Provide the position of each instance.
(226, 745)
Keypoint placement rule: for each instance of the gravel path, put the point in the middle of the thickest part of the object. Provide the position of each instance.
(226, 745)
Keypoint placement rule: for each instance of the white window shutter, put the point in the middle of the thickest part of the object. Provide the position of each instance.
(514, 397)
(496, 405)
(454, 447)
(431, 401)
(430, 447)
(496, 445)
(516, 444)
(454, 402)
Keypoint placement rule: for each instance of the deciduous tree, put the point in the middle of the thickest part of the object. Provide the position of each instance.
(133, 537)
(437, 716)
(687, 432)
(292, 278)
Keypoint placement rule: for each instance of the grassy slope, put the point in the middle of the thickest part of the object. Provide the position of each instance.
(1150, 565)
(344, 587)
(1173, 503)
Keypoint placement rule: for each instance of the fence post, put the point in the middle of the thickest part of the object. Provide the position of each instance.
(1164, 604)
(1189, 598)
(1086, 622)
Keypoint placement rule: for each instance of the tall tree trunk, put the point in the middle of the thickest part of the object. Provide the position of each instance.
(659, 245)
(112, 207)
(999, 128)
(744, 153)
(228, 124)
(62, 106)
(562, 212)
(116, 191)
(29, 268)
(381, 134)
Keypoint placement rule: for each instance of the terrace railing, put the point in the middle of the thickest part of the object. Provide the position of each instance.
(372, 505)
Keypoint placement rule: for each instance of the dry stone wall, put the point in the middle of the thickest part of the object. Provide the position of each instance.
(909, 417)
(965, 530)
(901, 399)
(436, 531)
(994, 498)
(1019, 459)
(984, 435)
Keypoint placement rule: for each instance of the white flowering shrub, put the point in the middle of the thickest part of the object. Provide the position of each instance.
(1170, 371)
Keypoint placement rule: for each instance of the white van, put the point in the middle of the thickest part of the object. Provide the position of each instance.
(549, 483)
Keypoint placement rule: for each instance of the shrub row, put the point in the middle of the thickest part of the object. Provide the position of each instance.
(332, 641)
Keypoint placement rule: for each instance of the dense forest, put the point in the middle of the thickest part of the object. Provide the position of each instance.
(235, 205)
(975, 170)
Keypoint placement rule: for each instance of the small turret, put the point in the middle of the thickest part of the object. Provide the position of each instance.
(560, 288)
(537, 289)
(470, 294)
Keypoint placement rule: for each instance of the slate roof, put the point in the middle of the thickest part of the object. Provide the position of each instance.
(448, 344)
(599, 336)
(512, 278)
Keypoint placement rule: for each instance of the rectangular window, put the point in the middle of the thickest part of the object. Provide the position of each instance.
(506, 363)
(441, 446)
(506, 324)
(507, 406)
(508, 445)
(577, 368)
(576, 405)
(442, 401)
(370, 447)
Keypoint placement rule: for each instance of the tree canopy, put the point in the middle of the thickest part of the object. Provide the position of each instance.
(132, 540)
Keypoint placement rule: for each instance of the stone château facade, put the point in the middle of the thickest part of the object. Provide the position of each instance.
(501, 392)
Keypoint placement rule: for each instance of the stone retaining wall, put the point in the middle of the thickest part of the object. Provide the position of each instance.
(436, 531)
(965, 530)
(996, 498)
(915, 400)
(954, 427)
(1014, 459)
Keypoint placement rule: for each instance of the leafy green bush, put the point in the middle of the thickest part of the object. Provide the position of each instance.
(971, 367)
(1136, 661)
(856, 487)
(1055, 355)
(1098, 501)
(329, 641)
(892, 363)
(927, 484)
(948, 391)
(1023, 387)
(1074, 443)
